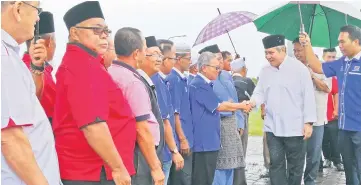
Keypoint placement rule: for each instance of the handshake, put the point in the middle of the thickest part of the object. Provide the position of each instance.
(248, 106)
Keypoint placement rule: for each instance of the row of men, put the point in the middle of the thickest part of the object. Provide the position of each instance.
(120, 121)
(87, 94)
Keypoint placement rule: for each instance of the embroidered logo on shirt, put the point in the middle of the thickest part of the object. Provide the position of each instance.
(356, 68)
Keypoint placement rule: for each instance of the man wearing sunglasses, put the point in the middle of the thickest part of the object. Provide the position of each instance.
(93, 125)
(27, 143)
(178, 88)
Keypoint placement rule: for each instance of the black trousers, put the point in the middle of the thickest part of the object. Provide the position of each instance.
(284, 151)
(330, 145)
(204, 167)
(183, 176)
(103, 181)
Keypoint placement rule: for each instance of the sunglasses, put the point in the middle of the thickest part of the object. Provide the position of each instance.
(97, 30)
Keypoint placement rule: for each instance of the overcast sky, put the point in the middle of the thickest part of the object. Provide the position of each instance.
(166, 18)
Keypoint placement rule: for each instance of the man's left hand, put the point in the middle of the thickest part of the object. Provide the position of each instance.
(38, 52)
(240, 131)
(307, 131)
(178, 161)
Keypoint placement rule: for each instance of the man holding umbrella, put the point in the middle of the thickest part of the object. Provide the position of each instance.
(348, 73)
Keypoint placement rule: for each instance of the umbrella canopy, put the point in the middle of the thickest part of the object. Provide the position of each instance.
(322, 20)
(223, 24)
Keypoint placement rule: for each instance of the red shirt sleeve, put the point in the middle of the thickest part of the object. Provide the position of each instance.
(87, 94)
(334, 89)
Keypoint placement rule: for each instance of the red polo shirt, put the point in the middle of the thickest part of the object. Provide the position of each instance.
(47, 99)
(330, 105)
(87, 94)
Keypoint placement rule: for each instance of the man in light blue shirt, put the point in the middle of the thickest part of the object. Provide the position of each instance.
(28, 154)
(286, 89)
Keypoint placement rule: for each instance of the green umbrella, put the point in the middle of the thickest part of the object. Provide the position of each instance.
(321, 20)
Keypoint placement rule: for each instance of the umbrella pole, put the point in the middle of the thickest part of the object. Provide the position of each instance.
(229, 36)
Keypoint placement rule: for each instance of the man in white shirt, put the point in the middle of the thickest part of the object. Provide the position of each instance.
(322, 86)
(284, 87)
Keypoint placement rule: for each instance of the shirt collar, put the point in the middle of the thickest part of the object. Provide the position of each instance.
(357, 57)
(89, 51)
(204, 78)
(190, 74)
(9, 40)
(180, 73)
(162, 75)
(145, 76)
(237, 74)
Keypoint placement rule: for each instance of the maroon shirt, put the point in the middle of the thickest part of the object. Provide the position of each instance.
(87, 94)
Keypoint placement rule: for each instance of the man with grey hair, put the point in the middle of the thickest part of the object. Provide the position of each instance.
(27, 142)
(178, 87)
(130, 47)
(285, 87)
(206, 119)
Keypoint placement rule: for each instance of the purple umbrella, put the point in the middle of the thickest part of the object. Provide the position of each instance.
(223, 24)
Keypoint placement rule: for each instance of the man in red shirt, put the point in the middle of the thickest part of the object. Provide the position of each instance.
(94, 128)
(330, 139)
(47, 84)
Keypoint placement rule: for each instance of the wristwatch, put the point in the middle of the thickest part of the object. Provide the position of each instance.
(37, 68)
(175, 151)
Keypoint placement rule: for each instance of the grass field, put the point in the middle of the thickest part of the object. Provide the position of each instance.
(255, 124)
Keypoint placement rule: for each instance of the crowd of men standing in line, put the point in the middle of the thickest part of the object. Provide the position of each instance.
(122, 110)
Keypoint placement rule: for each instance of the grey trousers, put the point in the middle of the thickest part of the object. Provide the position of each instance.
(244, 137)
(103, 181)
(266, 156)
(204, 167)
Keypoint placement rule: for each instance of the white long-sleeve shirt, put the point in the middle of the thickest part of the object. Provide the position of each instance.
(289, 98)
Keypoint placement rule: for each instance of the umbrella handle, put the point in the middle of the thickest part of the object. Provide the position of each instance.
(219, 11)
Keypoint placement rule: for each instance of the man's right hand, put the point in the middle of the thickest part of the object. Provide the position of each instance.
(184, 147)
(158, 176)
(121, 177)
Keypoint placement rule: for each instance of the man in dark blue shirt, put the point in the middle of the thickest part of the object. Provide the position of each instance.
(348, 73)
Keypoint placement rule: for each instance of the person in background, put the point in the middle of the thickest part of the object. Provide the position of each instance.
(330, 146)
(206, 106)
(287, 126)
(170, 152)
(28, 155)
(231, 155)
(348, 73)
(322, 86)
(193, 69)
(178, 87)
(130, 47)
(110, 54)
(47, 84)
(245, 87)
(93, 124)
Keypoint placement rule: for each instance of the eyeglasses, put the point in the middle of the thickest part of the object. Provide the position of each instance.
(157, 56)
(38, 9)
(216, 67)
(97, 30)
(187, 58)
(174, 59)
